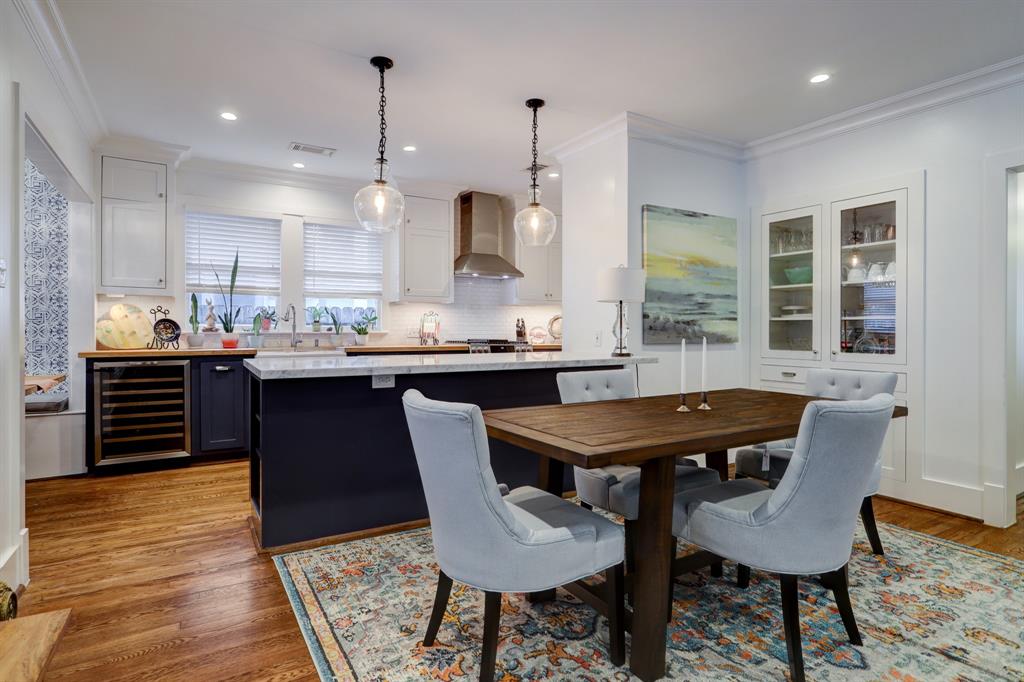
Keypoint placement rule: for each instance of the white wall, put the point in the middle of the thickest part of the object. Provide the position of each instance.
(595, 235)
(41, 98)
(677, 178)
(950, 143)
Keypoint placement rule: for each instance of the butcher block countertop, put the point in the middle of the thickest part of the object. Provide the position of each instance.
(180, 353)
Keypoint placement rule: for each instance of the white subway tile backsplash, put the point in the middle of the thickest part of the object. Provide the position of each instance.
(482, 309)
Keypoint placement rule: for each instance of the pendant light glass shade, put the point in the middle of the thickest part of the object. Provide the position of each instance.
(379, 206)
(535, 225)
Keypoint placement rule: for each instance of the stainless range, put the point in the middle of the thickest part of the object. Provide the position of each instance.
(494, 345)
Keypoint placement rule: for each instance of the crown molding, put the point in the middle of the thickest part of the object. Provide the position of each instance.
(143, 150)
(46, 28)
(314, 181)
(600, 133)
(649, 129)
(965, 86)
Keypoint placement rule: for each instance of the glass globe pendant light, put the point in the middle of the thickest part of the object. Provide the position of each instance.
(535, 225)
(379, 206)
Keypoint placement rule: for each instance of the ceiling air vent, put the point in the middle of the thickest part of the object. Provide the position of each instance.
(311, 149)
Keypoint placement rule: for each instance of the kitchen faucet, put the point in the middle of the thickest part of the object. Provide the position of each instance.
(290, 316)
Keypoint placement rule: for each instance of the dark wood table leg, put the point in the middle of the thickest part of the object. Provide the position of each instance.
(651, 581)
(719, 461)
(550, 479)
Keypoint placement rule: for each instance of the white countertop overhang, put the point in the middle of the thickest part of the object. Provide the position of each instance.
(321, 366)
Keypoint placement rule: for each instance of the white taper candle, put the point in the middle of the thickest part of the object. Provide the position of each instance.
(704, 365)
(682, 367)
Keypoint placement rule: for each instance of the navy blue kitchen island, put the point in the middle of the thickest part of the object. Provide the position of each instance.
(330, 453)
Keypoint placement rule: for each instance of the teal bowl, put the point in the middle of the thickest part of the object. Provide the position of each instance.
(800, 275)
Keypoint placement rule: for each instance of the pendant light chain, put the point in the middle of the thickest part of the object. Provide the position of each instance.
(383, 126)
(533, 168)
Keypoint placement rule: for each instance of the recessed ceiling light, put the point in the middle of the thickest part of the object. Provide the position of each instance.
(409, 148)
(552, 175)
(298, 164)
(820, 78)
(228, 116)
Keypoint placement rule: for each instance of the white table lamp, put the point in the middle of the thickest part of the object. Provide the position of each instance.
(620, 286)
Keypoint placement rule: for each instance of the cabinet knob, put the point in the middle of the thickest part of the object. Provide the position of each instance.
(160, 195)
(815, 352)
(835, 352)
(407, 290)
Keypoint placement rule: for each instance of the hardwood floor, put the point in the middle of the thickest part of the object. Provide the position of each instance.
(165, 584)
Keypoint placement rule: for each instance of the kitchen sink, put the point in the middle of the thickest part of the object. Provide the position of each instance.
(312, 350)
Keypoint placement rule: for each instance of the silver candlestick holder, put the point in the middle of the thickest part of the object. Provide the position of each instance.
(682, 403)
(703, 401)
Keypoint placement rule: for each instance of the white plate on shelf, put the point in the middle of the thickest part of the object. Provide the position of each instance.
(794, 309)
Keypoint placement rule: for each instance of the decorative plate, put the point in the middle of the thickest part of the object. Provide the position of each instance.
(555, 327)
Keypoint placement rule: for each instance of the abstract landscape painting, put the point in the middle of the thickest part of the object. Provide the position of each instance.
(690, 259)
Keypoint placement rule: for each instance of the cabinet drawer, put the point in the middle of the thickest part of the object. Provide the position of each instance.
(793, 375)
(798, 375)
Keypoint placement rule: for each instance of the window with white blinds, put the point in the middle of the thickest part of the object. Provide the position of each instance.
(210, 243)
(342, 262)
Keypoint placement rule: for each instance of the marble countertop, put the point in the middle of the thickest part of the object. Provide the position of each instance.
(305, 367)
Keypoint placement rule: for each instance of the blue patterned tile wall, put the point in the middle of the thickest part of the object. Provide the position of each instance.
(46, 277)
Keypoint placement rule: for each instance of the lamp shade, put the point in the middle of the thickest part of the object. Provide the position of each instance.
(621, 284)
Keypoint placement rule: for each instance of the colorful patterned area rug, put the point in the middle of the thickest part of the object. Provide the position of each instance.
(929, 610)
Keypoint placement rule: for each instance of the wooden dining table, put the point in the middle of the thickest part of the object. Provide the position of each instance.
(649, 433)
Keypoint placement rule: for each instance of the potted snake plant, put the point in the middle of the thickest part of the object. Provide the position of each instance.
(336, 339)
(229, 339)
(362, 328)
(195, 339)
(255, 340)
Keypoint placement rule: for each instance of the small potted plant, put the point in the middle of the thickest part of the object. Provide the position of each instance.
(195, 339)
(335, 339)
(268, 318)
(257, 326)
(362, 328)
(229, 339)
(316, 313)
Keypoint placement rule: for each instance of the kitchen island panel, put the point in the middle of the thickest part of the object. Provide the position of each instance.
(333, 455)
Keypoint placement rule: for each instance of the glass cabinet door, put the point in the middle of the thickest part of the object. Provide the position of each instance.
(791, 308)
(868, 278)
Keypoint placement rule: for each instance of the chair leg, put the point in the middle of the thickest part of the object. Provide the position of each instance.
(492, 614)
(838, 583)
(742, 576)
(444, 590)
(867, 514)
(716, 569)
(586, 505)
(791, 624)
(630, 528)
(614, 583)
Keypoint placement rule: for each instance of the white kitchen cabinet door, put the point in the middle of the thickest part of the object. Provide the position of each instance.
(133, 244)
(134, 180)
(554, 273)
(532, 287)
(422, 213)
(428, 263)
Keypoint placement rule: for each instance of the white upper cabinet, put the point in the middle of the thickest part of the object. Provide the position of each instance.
(791, 309)
(869, 286)
(426, 253)
(133, 226)
(542, 271)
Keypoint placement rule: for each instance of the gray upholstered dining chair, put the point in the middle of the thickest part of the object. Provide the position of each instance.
(525, 541)
(805, 525)
(617, 487)
(768, 461)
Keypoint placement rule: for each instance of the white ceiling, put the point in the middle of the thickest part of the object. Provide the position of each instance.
(164, 69)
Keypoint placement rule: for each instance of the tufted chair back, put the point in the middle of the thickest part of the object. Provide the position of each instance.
(606, 384)
(841, 385)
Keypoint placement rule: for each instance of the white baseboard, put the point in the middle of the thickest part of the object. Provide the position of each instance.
(14, 562)
(1000, 507)
(1019, 479)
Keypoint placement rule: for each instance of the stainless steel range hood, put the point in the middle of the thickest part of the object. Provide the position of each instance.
(480, 238)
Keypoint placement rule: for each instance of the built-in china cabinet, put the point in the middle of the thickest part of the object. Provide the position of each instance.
(839, 278)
